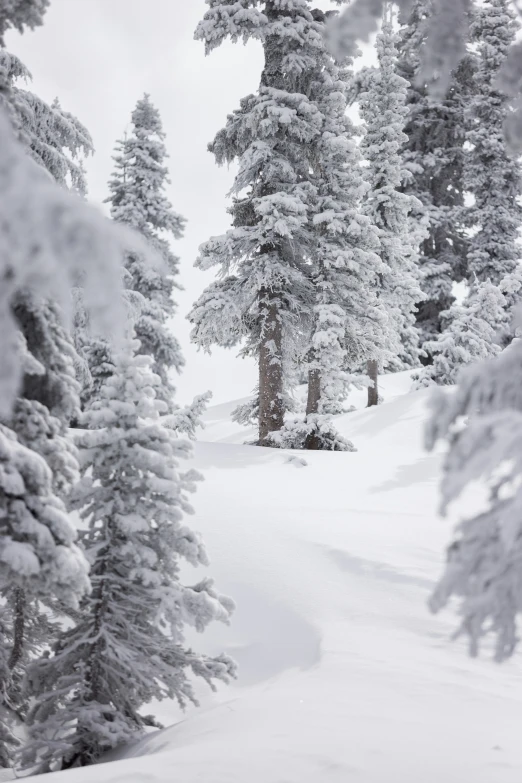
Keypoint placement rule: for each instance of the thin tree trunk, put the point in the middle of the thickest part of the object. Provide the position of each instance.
(312, 442)
(373, 391)
(314, 392)
(18, 627)
(271, 408)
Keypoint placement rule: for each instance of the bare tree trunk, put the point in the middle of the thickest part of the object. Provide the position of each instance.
(271, 408)
(18, 627)
(312, 442)
(373, 391)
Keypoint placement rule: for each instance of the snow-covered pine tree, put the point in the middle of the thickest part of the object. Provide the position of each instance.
(186, 420)
(127, 647)
(396, 214)
(41, 414)
(48, 399)
(493, 174)
(483, 562)
(346, 320)
(19, 14)
(39, 561)
(137, 199)
(41, 429)
(472, 332)
(55, 138)
(446, 35)
(444, 49)
(74, 243)
(434, 157)
(264, 294)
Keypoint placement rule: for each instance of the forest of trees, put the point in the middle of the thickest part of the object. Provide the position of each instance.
(355, 247)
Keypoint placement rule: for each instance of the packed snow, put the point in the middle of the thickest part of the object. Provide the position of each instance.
(344, 674)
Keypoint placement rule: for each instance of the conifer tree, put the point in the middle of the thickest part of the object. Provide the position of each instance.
(48, 399)
(395, 213)
(127, 646)
(472, 332)
(38, 391)
(434, 158)
(137, 199)
(483, 562)
(444, 49)
(493, 174)
(265, 288)
(39, 560)
(346, 321)
(54, 138)
(19, 14)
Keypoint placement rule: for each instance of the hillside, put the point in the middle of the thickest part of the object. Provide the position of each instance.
(344, 674)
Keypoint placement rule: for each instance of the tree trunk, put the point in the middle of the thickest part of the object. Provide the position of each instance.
(373, 391)
(271, 409)
(312, 442)
(18, 627)
(314, 391)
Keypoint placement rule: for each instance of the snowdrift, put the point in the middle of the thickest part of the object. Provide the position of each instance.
(344, 674)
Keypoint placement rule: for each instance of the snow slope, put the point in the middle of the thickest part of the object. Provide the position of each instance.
(345, 676)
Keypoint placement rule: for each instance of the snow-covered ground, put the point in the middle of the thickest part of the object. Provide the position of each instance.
(344, 674)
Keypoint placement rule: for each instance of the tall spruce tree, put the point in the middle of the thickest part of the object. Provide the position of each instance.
(38, 391)
(265, 295)
(395, 213)
(48, 398)
(137, 199)
(434, 158)
(493, 174)
(127, 646)
(73, 242)
(346, 321)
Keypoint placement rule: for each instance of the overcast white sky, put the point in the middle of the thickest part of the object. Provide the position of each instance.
(98, 57)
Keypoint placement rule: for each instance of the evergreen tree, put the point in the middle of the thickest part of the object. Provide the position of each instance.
(483, 562)
(472, 331)
(55, 138)
(383, 108)
(39, 560)
(37, 387)
(48, 398)
(127, 647)
(19, 14)
(137, 199)
(346, 321)
(265, 289)
(446, 35)
(186, 420)
(493, 173)
(247, 413)
(434, 157)
(442, 54)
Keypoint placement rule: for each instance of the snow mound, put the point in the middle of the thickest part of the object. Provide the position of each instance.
(344, 675)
